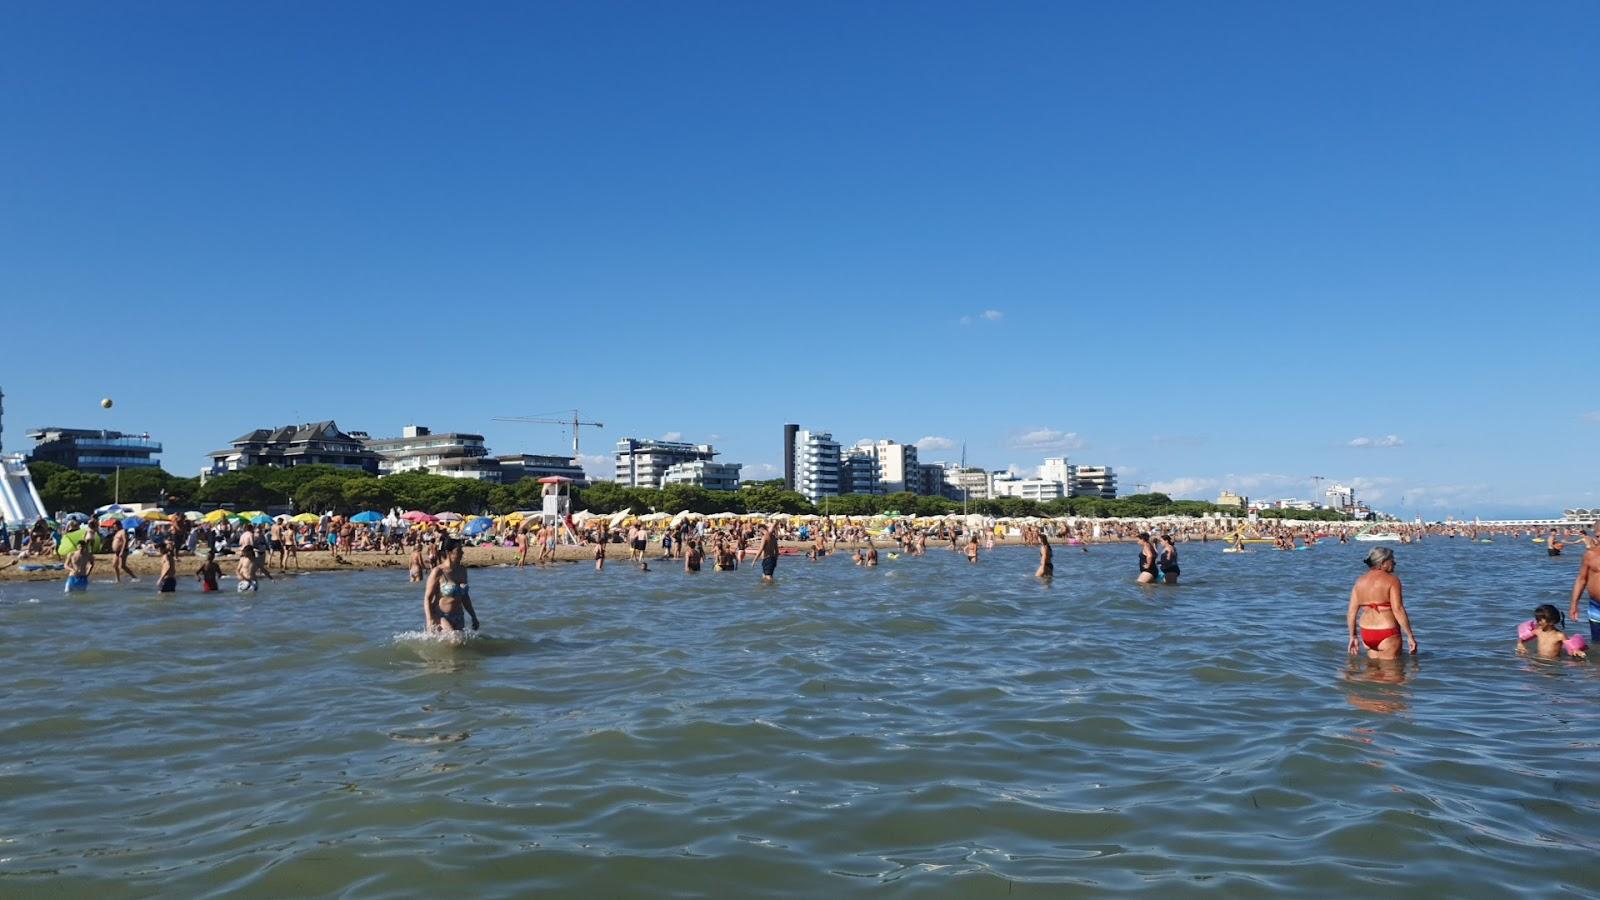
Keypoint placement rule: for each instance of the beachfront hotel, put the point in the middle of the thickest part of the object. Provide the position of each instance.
(644, 463)
(1094, 481)
(816, 464)
(418, 449)
(315, 443)
(701, 473)
(518, 466)
(94, 450)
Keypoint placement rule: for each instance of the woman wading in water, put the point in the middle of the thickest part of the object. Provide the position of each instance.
(445, 603)
(1376, 600)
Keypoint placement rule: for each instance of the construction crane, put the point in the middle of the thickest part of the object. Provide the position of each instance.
(573, 422)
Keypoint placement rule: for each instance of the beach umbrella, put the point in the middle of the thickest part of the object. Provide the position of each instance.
(71, 540)
(152, 515)
(582, 516)
(215, 516)
(449, 517)
(192, 516)
(261, 520)
(73, 517)
(306, 519)
(417, 515)
(110, 522)
(251, 514)
(479, 526)
(617, 517)
(111, 509)
(367, 518)
(132, 522)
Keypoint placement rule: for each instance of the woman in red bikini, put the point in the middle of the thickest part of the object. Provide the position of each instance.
(1376, 598)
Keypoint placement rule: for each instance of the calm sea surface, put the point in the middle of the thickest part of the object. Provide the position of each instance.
(927, 728)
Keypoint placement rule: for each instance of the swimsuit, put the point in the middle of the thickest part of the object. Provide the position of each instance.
(1372, 637)
(769, 564)
(1151, 568)
(167, 586)
(76, 583)
(208, 583)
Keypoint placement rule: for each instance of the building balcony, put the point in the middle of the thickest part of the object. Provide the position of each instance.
(116, 462)
(140, 444)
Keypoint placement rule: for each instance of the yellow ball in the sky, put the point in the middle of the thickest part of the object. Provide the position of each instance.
(106, 403)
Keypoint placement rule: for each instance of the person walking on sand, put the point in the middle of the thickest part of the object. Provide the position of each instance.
(769, 554)
(1376, 599)
(1588, 580)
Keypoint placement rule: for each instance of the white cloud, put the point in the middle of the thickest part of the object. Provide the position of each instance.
(760, 472)
(713, 437)
(597, 467)
(1045, 439)
(672, 436)
(1187, 488)
(966, 320)
(1593, 418)
(1388, 440)
(934, 442)
(993, 315)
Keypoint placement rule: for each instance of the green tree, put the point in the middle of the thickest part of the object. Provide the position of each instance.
(322, 494)
(768, 499)
(183, 491)
(601, 497)
(363, 494)
(244, 489)
(69, 491)
(140, 486)
(42, 472)
(288, 480)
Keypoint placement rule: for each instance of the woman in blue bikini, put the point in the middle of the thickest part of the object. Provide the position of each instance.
(445, 602)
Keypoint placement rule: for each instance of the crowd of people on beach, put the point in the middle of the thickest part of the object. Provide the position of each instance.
(1376, 615)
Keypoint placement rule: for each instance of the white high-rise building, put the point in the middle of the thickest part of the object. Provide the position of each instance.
(1341, 497)
(897, 465)
(713, 476)
(645, 463)
(816, 464)
(1094, 481)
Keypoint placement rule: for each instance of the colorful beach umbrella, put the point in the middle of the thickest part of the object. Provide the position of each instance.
(308, 519)
(479, 526)
(367, 518)
(417, 515)
(262, 519)
(215, 516)
(449, 517)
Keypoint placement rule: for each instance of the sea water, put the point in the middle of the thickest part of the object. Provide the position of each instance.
(924, 728)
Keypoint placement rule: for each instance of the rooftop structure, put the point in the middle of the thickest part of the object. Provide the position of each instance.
(94, 450)
(316, 443)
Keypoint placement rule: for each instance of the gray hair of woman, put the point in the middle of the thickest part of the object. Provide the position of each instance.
(1379, 556)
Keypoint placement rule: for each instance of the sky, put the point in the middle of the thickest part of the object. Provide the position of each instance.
(1216, 246)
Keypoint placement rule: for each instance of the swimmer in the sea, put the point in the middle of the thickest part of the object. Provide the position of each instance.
(208, 573)
(1147, 559)
(1548, 638)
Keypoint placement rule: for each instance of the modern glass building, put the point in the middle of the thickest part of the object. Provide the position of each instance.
(94, 450)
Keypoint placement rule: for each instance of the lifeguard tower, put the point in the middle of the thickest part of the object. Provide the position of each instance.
(20, 505)
(557, 502)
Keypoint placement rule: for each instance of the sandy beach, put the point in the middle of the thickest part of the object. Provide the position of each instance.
(322, 561)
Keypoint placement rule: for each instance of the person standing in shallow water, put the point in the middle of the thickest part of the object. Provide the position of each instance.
(1047, 566)
(445, 601)
(769, 554)
(1147, 559)
(1377, 600)
(1588, 580)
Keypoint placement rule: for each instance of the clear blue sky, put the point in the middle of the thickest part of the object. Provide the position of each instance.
(1218, 245)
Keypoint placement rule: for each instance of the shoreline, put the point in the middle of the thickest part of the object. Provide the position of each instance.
(149, 567)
